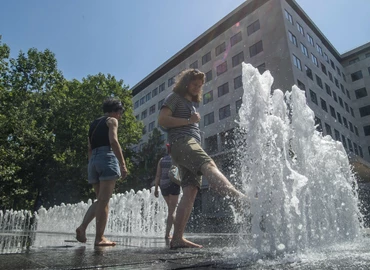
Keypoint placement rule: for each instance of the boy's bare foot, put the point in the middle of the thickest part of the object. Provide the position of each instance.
(104, 243)
(183, 243)
(81, 235)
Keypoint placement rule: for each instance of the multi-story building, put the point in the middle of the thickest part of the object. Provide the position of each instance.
(279, 36)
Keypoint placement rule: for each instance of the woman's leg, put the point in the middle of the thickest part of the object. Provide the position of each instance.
(167, 199)
(101, 212)
(89, 216)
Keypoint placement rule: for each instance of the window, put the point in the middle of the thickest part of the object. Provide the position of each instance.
(355, 147)
(154, 92)
(223, 89)
(335, 97)
(344, 141)
(339, 117)
(356, 76)
(171, 81)
(209, 119)
(151, 126)
(238, 82)
(222, 68)
(144, 132)
(365, 111)
(313, 96)
(318, 124)
(356, 130)
(206, 58)
(237, 59)
(300, 29)
(224, 112)
(353, 61)
(342, 88)
(253, 27)
(236, 38)
(332, 64)
(367, 130)
(330, 76)
(261, 68)
(323, 68)
(304, 50)
(288, 16)
(319, 81)
(136, 104)
(142, 100)
(137, 117)
(256, 48)
(209, 76)
(367, 55)
(323, 105)
(160, 103)
(208, 97)
(328, 129)
(332, 112)
(328, 90)
(337, 135)
(238, 104)
(310, 40)
(344, 77)
(194, 65)
(352, 112)
(318, 48)
(336, 82)
(360, 93)
(293, 39)
(360, 150)
(162, 87)
(348, 95)
(341, 102)
(148, 96)
(297, 62)
(314, 60)
(220, 48)
(309, 72)
(152, 109)
(326, 57)
(346, 106)
(338, 71)
(368, 69)
(350, 126)
(144, 114)
(301, 85)
(349, 145)
(345, 122)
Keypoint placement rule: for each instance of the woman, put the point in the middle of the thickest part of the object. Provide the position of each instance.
(170, 191)
(106, 165)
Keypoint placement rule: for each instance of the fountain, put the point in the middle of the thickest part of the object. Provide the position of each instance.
(303, 194)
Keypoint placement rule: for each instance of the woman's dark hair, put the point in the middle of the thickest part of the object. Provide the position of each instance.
(112, 105)
(183, 80)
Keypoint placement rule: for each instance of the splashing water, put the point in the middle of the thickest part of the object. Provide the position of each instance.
(303, 192)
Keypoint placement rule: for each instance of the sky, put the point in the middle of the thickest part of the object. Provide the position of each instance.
(129, 39)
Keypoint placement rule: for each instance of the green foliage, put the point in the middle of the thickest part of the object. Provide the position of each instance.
(44, 121)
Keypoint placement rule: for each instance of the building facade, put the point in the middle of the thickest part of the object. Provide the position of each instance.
(278, 36)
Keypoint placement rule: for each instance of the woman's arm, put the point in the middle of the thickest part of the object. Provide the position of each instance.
(157, 178)
(165, 119)
(116, 147)
(89, 151)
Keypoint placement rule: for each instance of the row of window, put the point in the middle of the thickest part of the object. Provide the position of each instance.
(355, 60)
(347, 143)
(311, 41)
(298, 64)
(336, 115)
(220, 69)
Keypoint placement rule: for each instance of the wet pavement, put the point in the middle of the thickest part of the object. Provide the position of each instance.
(221, 251)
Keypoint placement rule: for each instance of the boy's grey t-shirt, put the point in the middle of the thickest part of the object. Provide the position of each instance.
(181, 108)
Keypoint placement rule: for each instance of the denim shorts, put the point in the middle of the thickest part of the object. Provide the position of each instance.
(103, 165)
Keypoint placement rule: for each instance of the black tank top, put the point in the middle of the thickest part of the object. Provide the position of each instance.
(101, 134)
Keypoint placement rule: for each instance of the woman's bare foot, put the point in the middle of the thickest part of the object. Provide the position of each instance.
(81, 235)
(104, 242)
(183, 243)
